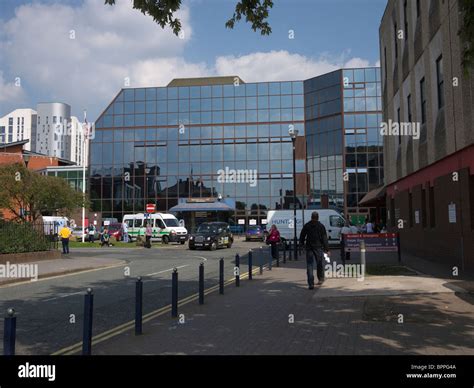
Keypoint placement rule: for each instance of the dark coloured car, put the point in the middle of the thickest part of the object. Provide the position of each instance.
(255, 233)
(211, 235)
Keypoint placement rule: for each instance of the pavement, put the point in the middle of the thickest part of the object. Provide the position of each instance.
(276, 314)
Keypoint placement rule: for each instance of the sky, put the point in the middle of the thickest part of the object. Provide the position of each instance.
(82, 52)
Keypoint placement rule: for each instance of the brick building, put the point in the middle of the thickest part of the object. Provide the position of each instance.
(428, 173)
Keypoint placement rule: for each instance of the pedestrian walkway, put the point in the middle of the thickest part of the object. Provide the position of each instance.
(275, 313)
(57, 267)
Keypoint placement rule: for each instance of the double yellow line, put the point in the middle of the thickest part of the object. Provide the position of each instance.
(73, 349)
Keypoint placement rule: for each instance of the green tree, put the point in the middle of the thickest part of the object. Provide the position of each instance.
(255, 12)
(24, 190)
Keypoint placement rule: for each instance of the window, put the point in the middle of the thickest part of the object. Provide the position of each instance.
(440, 81)
(432, 208)
(399, 132)
(409, 108)
(423, 100)
(336, 221)
(138, 222)
(410, 210)
(395, 38)
(423, 207)
(405, 17)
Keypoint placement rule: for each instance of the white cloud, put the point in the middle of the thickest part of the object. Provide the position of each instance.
(10, 91)
(117, 42)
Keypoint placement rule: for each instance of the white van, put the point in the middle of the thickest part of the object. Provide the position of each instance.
(166, 227)
(283, 219)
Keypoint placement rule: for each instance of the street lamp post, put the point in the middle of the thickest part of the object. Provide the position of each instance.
(293, 132)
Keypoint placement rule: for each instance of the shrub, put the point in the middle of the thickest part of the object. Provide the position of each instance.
(22, 237)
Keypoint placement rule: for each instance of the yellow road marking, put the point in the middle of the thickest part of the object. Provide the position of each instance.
(146, 318)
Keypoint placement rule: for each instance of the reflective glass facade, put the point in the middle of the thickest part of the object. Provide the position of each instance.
(157, 145)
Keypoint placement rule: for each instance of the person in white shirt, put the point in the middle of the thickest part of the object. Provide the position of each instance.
(346, 229)
(125, 231)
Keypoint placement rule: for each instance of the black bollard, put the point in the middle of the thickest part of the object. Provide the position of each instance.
(290, 252)
(260, 260)
(296, 249)
(201, 283)
(284, 252)
(138, 306)
(87, 330)
(270, 258)
(9, 333)
(174, 293)
(278, 254)
(250, 264)
(221, 276)
(237, 270)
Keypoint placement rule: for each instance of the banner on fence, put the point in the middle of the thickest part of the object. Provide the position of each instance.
(374, 242)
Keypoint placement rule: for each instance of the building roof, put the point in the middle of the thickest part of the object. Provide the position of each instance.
(14, 144)
(205, 81)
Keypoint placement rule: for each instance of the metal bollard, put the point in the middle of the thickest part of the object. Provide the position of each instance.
(174, 293)
(201, 283)
(237, 270)
(296, 249)
(221, 276)
(362, 256)
(270, 258)
(138, 306)
(284, 252)
(9, 333)
(290, 252)
(260, 261)
(250, 264)
(278, 254)
(87, 329)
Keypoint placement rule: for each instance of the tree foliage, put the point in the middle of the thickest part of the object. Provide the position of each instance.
(162, 12)
(24, 190)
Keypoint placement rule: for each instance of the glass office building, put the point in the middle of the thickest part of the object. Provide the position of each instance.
(206, 138)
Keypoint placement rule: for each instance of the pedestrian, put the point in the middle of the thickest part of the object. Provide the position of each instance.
(125, 231)
(105, 237)
(273, 239)
(65, 234)
(314, 237)
(148, 234)
(354, 228)
(346, 229)
(369, 226)
(91, 233)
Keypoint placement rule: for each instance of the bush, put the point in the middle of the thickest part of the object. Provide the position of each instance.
(22, 237)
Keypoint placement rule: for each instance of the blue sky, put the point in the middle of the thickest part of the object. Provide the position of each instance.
(113, 47)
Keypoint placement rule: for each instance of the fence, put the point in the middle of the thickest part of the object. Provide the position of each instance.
(23, 237)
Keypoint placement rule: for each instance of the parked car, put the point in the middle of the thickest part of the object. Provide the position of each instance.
(211, 235)
(77, 234)
(255, 233)
(115, 230)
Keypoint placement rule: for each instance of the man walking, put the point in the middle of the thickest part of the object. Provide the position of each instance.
(314, 237)
(65, 233)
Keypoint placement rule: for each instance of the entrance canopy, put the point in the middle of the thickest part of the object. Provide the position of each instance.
(202, 207)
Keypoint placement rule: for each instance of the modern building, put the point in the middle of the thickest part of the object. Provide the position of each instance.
(429, 163)
(18, 125)
(220, 148)
(79, 142)
(51, 135)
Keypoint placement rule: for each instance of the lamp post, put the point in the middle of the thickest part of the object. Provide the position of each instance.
(26, 159)
(293, 132)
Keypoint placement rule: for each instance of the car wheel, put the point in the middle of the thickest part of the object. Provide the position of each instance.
(247, 239)
(165, 239)
(182, 242)
(213, 246)
(192, 248)
(229, 245)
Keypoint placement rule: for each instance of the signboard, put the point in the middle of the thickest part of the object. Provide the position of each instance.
(252, 222)
(452, 213)
(264, 221)
(106, 223)
(150, 207)
(241, 222)
(374, 242)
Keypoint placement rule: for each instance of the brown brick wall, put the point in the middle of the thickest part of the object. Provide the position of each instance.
(446, 242)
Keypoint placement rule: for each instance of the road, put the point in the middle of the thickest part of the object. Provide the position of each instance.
(49, 312)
